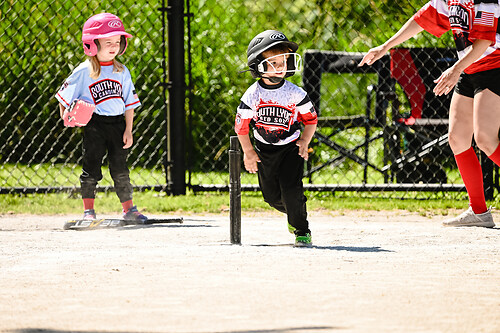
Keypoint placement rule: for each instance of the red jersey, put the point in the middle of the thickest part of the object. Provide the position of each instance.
(274, 112)
(469, 20)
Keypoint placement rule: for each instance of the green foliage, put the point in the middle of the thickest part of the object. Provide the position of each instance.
(40, 45)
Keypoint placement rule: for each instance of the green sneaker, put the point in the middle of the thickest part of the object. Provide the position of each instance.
(291, 229)
(303, 241)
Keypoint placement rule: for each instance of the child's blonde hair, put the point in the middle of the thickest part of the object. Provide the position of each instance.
(95, 67)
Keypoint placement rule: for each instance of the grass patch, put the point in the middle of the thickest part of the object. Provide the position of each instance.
(151, 202)
(202, 203)
(67, 175)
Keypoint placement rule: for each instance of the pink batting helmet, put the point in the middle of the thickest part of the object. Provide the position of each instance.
(102, 26)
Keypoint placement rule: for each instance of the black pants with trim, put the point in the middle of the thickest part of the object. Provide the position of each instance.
(105, 134)
(280, 178)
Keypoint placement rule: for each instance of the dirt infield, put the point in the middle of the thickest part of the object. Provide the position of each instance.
(368, 272)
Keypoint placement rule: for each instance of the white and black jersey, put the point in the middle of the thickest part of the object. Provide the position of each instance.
(274, 112)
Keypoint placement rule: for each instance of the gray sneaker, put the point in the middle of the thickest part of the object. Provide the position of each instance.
(134, 215)
(471, 219)
(89, 215)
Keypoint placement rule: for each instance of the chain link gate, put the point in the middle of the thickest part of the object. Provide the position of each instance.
(366, 140)
(40, 43)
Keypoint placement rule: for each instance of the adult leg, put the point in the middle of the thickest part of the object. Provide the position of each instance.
(461, 126)
(487, 122)
(460, 138)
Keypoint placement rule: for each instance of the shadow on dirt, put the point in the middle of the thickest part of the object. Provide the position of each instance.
(278, 330)
(285, 330)
(149, 226)
(334, 248)
(352, 248)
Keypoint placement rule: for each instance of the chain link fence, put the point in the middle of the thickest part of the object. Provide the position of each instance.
(380, 128)
(370, 134)
(40, 43)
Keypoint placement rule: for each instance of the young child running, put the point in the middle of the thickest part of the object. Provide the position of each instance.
(274, 108)
(475, 80)
(103, 81)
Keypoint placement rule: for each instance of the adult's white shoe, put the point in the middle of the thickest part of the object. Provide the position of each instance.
(471, 219)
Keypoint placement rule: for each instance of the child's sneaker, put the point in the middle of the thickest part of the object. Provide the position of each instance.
(303, 241)
(471, 219)
(89, 214)
(134, 215)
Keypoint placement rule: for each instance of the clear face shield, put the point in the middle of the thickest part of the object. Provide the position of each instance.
(281, 64)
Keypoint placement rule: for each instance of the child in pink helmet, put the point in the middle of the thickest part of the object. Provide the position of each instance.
(106, 83)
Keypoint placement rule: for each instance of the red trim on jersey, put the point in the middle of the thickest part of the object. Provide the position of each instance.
(132, 104)
(491, 61)
(486, 35)
(432, 21)
(106, 63)
(241, 126)
(480, 31)
(67, 104)
(308, 118)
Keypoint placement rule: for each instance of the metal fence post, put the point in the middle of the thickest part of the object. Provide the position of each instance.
(234, 190)
(176, 97)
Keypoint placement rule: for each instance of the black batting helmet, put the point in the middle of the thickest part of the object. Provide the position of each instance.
(263, 42)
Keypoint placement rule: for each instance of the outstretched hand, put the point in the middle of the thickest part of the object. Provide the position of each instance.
(373, 55)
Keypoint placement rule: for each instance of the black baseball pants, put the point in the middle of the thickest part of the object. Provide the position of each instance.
(280, 178)
(105, 134)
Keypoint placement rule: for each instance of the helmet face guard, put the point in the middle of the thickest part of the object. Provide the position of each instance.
(292, 62)
(103, 26)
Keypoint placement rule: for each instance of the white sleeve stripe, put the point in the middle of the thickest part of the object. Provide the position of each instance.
(245, 113)
(440, 6)
(305, 108)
